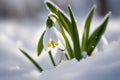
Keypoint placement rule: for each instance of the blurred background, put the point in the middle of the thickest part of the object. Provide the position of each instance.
(23, 21)
(21, 9)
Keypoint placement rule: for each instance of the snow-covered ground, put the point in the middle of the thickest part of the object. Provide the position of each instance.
(102, 66)
(14, 65)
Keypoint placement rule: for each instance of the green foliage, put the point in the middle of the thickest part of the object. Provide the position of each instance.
(87, 29)
(68, 46)
(96, 36)
(40, 44)
(76, 41)
(88, 43)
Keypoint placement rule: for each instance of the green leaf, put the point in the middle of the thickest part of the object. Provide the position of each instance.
(76, 41)
(96, 36)
(86, 29)
(63, 18)
(40, 44)
(64, 23)
(69, 49)
(52, 7)
(68, 46)
(32, 60)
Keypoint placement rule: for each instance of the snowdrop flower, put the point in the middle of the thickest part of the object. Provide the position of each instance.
(60, 55)
(51, 37)
(102, 44)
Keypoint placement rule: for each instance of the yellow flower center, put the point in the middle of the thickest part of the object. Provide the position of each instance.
(53, 44)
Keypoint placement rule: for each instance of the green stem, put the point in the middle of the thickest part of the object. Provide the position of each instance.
(51, 57)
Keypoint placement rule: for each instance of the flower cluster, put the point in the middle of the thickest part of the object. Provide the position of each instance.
(66, 40)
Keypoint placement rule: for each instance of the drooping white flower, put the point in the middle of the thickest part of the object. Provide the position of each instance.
(102, 44)
(52, 38)
(60, 55)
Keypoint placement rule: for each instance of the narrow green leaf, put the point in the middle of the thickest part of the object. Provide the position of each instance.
(64, 23)
(96, 36)
(54, 9)
(32, 60)
(86, 29)
(69, 49)
(40, 44)
(68, 46)
(76, 41)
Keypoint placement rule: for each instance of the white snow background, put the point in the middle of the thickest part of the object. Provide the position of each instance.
(104, 65)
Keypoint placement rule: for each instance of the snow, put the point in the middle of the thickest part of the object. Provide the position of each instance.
(102, 66)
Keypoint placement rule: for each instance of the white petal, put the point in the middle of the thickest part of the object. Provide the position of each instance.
(61, 40)
(53, 34)
(61, 46)
(58, 56)
(102, 43)
(46, 38)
